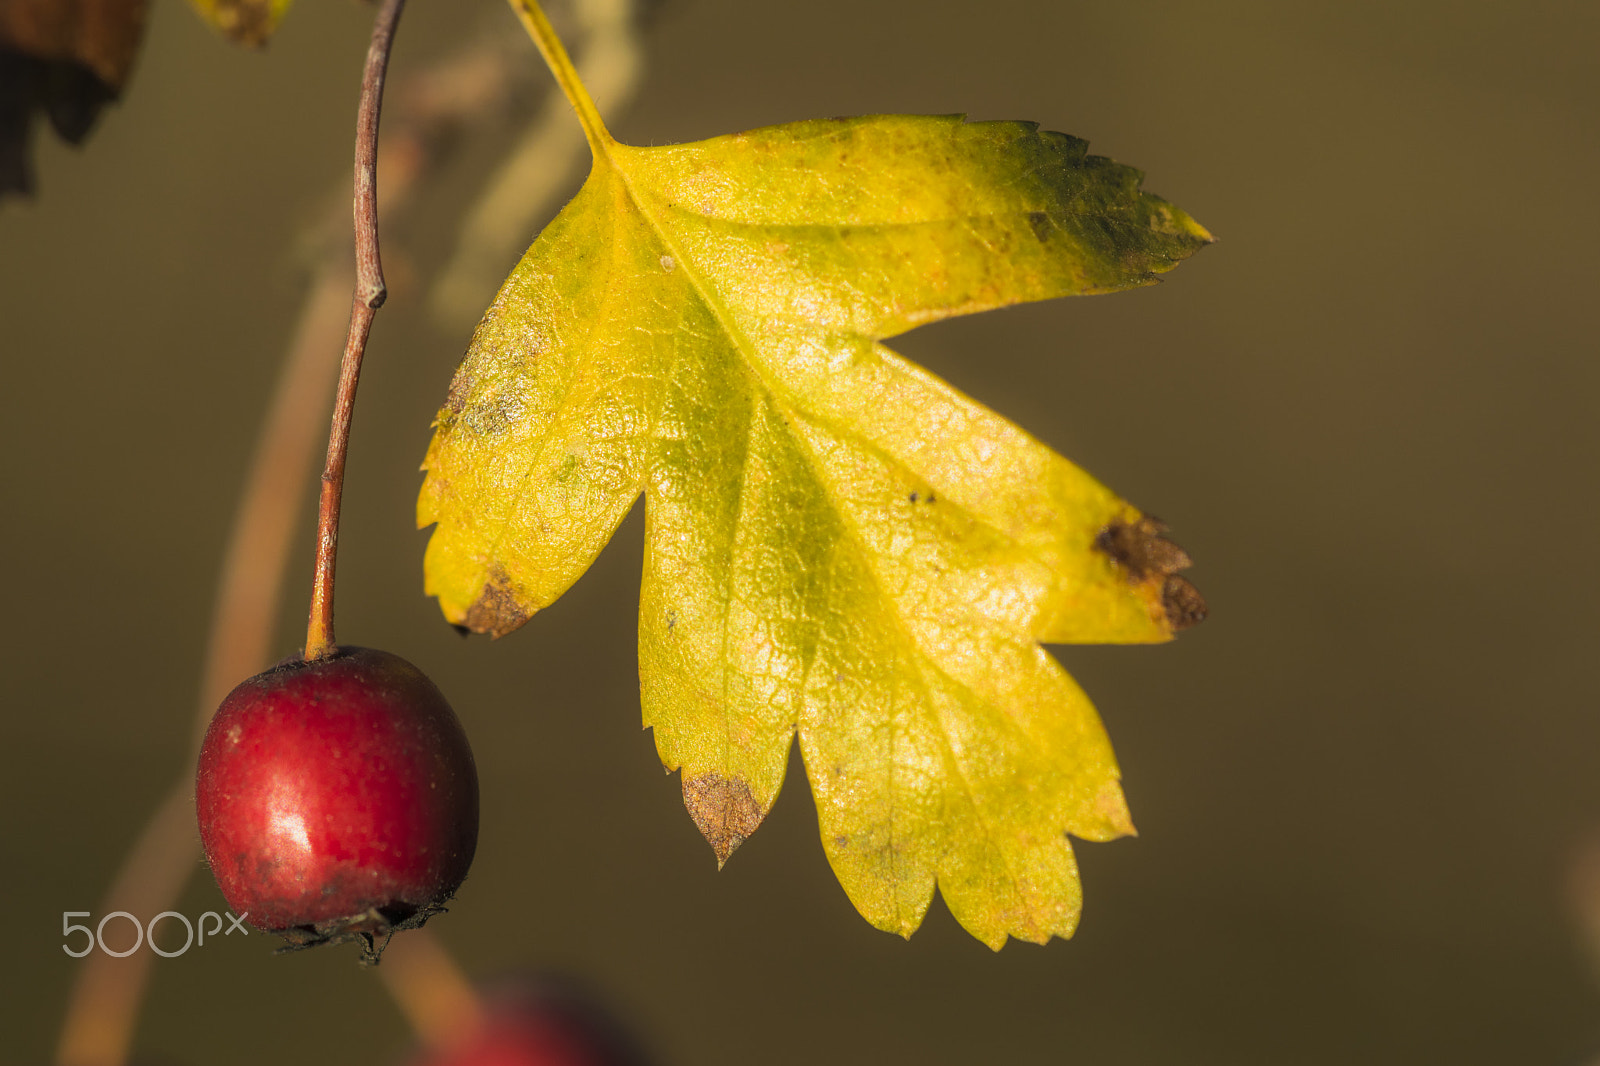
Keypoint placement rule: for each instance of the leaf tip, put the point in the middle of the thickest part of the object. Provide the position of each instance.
(497, 610)
(1195, 229)
(1179, 223)
(1141, 548)
(724, 810)
(1111, 807)
(1183, 603)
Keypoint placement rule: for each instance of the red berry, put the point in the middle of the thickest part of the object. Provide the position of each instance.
(540, 1024)
(337, 798)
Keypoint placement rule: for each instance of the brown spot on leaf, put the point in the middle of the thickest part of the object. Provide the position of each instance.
(1141, 548)
(723, 809)
(455, 401)
(495, 411)
(1148, 556)
(1039, 222)
(497, 610)
(1185, 606)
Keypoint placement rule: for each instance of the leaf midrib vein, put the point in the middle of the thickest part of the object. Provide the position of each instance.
(742, 344)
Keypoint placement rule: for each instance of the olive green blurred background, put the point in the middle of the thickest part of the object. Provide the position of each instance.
(1368, 413)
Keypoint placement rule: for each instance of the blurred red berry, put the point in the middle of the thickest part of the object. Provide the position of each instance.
(533, 1023)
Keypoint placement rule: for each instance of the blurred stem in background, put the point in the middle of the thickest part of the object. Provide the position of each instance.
(1583, 898)
(469, 88)
(1583, 885)
(494, 232)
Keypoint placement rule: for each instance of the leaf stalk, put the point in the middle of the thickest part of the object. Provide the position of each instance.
(566, 75)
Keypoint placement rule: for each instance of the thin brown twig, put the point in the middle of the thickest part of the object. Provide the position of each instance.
(103, 1007)
(369, 296)
(468, 87)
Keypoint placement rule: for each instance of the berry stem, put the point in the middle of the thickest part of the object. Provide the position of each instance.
(369, 296)
(445, 99)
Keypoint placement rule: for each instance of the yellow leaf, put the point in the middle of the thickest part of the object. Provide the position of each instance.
(248, 22)
(838, 544)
